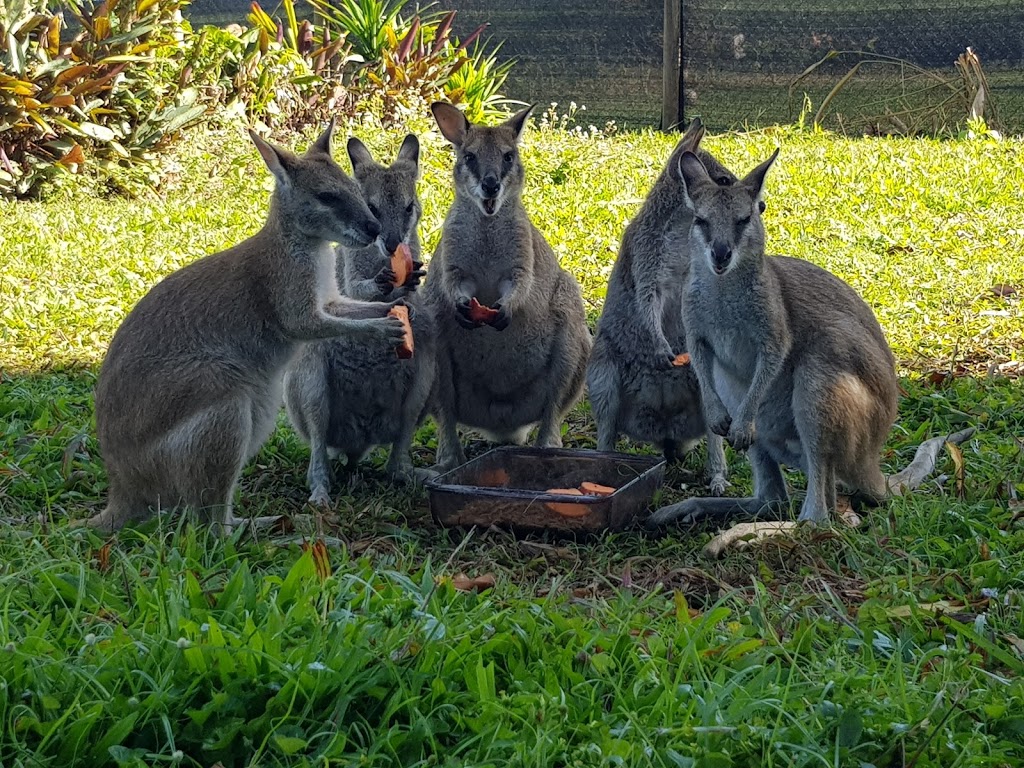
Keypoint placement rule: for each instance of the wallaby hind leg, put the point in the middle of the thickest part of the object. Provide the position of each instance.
(319, 476)
(768, 502)
(119, 510)
(449, 450)
(400, 466)
(603, 389)
(820, 503)
(568, 363)
(208, 452)
(307, 401)
(715, 468)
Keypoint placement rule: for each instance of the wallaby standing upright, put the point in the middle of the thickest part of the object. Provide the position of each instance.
(528, 365)
(192, 381)
(633, 385)
(344, 396)
(793, 365)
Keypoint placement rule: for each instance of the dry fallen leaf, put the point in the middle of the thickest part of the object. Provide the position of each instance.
(938, 607)
(463, 583)
(321, 558)
(1004, 290)
(1016, 642)
(102, 558)
(958, 462)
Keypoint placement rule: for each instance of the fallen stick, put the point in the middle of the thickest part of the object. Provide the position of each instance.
(925, 458)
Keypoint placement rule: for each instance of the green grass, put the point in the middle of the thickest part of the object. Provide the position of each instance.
(171, 647)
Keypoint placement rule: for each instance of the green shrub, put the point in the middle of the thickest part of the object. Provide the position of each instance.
(407, 63)
(284, 73)
(111, 95)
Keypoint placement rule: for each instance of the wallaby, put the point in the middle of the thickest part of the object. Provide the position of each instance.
(342, 395)
(633, 386)
(792, 364)
(191, 384)
(527, 366)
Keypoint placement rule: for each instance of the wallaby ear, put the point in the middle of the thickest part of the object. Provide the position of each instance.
(689, 143)
(451, 121)
(358, 154)
(277, 159)
(691, 170)
(754, 181)
(410, 151)
(323, 141)
(691, 139)
(518, 121)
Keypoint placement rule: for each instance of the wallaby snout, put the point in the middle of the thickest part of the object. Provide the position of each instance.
(721, 257)
(372, 229)
(490, 185)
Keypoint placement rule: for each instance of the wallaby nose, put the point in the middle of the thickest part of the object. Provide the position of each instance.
(490, 185)
(721, 254)
(391, 242)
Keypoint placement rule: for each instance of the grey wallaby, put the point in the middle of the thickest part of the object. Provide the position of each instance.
(192, 381)
(342, 395)
(793, 366)
(526, 366)
(633, 385)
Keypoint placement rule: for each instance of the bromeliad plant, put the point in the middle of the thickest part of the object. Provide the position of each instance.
(411, 62)
(110, 94)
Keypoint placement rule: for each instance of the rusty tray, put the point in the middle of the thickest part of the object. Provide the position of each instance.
(508, 486)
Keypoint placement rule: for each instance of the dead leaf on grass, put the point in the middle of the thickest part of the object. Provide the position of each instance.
(321, 557)
(938, 607)
(1004, 290)
(1015, 642)
(958, 462)
(464, 583)
(102, 558)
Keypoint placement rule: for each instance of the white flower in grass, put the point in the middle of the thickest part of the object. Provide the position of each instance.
(184, 642)
(204, 627)
(316, 666)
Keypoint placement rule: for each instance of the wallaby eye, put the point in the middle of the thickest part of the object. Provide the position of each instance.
(723, 181)
(374, 210)
(760, 206)
(744, 221)
(330, 199)
(470, 158)
(408, 208)
(509, 157)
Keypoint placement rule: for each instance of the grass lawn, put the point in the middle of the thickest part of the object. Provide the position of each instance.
(897, 644)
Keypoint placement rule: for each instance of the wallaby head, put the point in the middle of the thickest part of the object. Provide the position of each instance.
(488, 169)
(727, 227)
(390, 192)
(691, 143)
(314, 196)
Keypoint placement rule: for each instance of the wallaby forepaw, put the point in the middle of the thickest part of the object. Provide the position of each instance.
(741, 435)
(717, 485)
(462, 315)
(392, 331)
(385, 280)
(503, 318)
(412, 282)
(720, 423)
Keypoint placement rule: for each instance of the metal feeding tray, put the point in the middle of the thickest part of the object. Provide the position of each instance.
(508, 486)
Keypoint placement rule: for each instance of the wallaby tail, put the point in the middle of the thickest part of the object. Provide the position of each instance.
(924, 462)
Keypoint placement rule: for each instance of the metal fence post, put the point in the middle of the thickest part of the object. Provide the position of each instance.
(671, 67)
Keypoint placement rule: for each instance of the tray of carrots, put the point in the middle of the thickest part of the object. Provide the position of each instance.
(559, 489)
